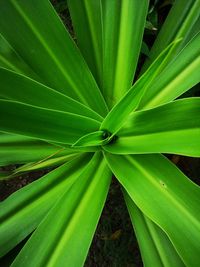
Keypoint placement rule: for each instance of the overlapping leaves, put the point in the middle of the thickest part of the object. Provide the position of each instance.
(54, 108)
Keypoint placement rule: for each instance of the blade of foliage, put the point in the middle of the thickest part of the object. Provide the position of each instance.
(178, 77)
(110, 35)
(87, 21)
(20, 88)
(91, 139)
(21, 213)
(123, 26)
(106, 32)
(16, 149)
(45, 163)
(179, 23)
(171, 128)
(156, 248)
(46, 124)
(42, 41)
(9, 59)
(195, 30)
(166, 196)
(53, 238)
(119, 113)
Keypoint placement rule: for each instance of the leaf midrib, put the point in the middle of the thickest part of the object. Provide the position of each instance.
(171, 197)
(49, 51)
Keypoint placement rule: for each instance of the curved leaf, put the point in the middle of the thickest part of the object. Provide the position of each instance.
(9, 59)
(21, 213)
(110, 35)
(123, 26)
(20, 88)
(187, 13)
(178, 77)
(87, 21)
(65, 241)
(16, 149)
(43, 43)
(166, 196)
(91, 139)
(119, 113)
(170, 128)
(46, 124)
(156, 248)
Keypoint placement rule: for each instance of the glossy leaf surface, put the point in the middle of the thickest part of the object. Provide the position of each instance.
(46, 124)
(22, 89)
(50, 52)
(156, 248)
(123, 26)
(178, 77)
(26, 208)
(87, 21)
(179, 23)
(85, 198)
(164, 129)
(153, 181)
(120, 112)
(16, 149)
(55, 98)
(111, 41)
(9, 59)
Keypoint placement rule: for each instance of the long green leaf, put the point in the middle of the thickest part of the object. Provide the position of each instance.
(49, 162)
(46, 124)
(119, 113)
(109, 35)
(42, 41)
(64, 239)
(87, 21)
(45, 163)
(156, 248)
(123, 26)
(91, 139)
(166, 196)
(178, 77)
(9, 59)
(20, 88)
(179, 23)
(21, 213)
(16, 149)
(170, 128)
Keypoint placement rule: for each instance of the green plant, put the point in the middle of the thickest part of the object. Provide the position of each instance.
(88, 121)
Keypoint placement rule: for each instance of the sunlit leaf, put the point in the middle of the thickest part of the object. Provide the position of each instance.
(26, 208)
(170, 128)
(82, 203)
(156, 248)
(166, 196)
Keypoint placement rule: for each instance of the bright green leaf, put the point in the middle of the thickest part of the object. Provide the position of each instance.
(156, 248)
(49, 243)
(44, 44)
(21, 213)
(171, 128)
(9, 59)
(178, 77)
(178, 24)
(166, 196)
(87, 21)
(20, 88)
(46, 124)
(16, 149)
(123, 26)
(120, 112)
